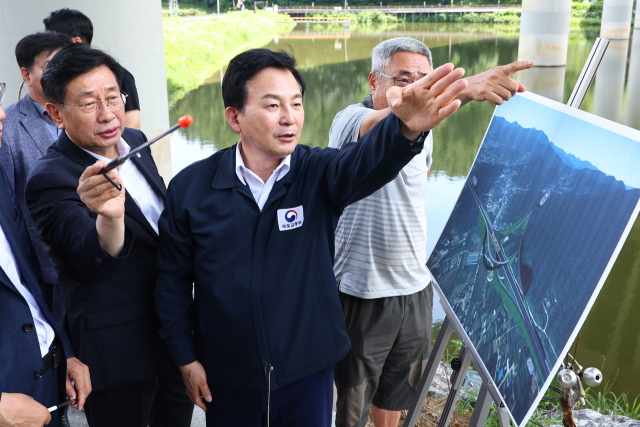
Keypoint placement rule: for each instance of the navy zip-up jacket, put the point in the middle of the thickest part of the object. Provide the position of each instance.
(265, 292)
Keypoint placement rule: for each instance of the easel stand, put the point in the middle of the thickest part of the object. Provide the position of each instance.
(487, 395)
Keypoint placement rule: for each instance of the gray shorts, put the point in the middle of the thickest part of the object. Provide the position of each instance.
(390, 345)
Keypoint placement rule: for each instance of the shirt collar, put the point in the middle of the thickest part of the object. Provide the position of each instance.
(281, 170)
(40, 108)
(122, 147)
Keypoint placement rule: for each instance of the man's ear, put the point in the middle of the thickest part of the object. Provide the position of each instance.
(76, 39)
(232, 115)
(25, 76)
(55, 111)
(373, 82)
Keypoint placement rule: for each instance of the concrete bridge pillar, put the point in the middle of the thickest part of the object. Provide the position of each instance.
(632, 110)
(135, 38)
(544, 32)
(544, 38)
(610, 76)
(545, 81)
(616, 19)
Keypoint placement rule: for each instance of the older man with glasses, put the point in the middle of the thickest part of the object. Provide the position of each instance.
(380, 248)
(105, 241)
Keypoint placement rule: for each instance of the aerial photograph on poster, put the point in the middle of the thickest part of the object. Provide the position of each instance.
(544, 212)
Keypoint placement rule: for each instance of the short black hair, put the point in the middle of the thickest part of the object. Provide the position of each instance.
(246, 65)
(70, 62)
(71, 23)
(28, 49)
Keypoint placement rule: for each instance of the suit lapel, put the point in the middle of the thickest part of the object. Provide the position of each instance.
(67, 148)
(11, 224)
(7, 217)
(145, 165)
(5, 279)
(75, 153)
(132, 210)
(35, 126)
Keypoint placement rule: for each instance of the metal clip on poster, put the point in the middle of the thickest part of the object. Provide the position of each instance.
(488, 395)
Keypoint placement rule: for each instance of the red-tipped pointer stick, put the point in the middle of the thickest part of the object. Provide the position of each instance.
(183, 122)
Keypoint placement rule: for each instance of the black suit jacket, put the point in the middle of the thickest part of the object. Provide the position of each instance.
(20, 356)
(109, 300)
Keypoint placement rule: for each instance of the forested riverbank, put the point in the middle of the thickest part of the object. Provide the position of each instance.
(195, 49)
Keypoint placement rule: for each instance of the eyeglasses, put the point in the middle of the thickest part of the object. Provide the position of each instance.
(398, 81)
(3, 91)
(93, 108)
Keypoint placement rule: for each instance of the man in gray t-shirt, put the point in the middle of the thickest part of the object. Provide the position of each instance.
(380, 255)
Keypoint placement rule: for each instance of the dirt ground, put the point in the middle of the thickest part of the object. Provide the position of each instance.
(430, 414)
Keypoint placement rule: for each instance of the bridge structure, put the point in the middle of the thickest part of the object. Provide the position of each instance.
(317, 20)
(299, 35)
(397, 9)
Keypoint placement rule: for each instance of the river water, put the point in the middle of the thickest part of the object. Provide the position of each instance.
(335, 67)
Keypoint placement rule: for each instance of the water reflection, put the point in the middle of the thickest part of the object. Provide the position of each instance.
(632, 111)
(336, 67)
(610, 81)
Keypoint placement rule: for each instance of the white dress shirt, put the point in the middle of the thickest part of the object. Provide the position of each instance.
(8, 263)
(136, 186)
(258, 187)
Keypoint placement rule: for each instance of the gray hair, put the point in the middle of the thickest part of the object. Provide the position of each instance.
(381, 54)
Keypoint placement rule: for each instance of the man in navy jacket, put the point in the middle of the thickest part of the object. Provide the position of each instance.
(253, 228)
(37, 363)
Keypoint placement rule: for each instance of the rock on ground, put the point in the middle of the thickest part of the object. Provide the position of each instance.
(590, 418)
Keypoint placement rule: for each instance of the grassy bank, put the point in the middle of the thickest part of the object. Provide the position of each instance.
(195, 49)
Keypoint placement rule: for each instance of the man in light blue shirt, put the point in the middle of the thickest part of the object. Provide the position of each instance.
(48, 122)
(28, 133)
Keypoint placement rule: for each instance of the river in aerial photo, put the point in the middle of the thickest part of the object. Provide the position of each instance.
(335, 65)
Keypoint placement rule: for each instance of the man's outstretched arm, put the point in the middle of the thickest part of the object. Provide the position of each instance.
(495, 86)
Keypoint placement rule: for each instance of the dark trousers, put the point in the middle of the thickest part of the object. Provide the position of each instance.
(390, 345)
(307, 402)
(161, 402)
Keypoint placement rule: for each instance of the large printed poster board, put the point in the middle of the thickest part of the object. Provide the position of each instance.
(547, 205)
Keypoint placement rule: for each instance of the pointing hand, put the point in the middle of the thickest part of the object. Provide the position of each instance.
(424, 104)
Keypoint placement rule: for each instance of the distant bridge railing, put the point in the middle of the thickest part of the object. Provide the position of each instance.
(320, 20)
(456, 8)
(317, 20)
